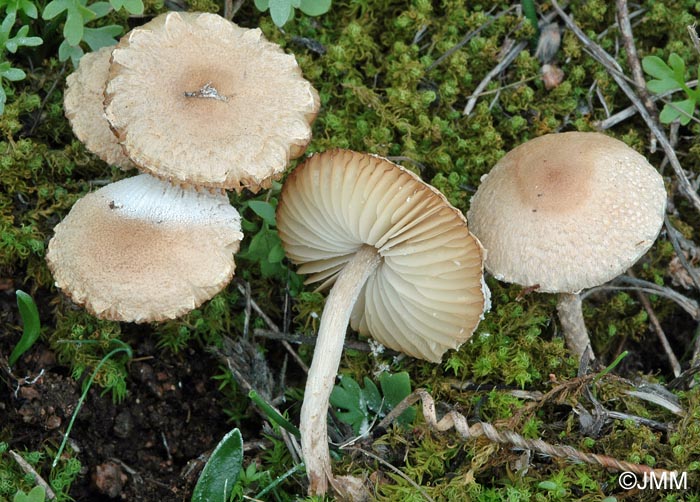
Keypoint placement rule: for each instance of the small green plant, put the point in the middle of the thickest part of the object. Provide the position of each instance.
(121, 347)
(282, 11)
(77, 15)
(221, 472)
(9, 43)
(360, 406)
(265, 247)
(30, 318)
(669, 77)
(38, 494)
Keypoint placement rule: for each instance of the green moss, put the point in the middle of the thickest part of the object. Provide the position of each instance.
(386, 88)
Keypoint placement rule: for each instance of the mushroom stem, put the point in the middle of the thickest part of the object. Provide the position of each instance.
(572, 324)
(324, 366)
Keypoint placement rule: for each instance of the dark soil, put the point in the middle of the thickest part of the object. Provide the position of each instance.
(149, 447)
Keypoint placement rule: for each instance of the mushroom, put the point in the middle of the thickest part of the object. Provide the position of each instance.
(142, 250)
(402, 262)
(83, 102)
(195, 98)
(568, 211)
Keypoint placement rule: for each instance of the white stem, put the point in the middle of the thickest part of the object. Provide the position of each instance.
(572, 324)
(324, 366)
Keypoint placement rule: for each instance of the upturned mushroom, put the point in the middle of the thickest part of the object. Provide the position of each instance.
(565, 212)
(198, 100)
(83, 103)
(142, 250)
(403, 266)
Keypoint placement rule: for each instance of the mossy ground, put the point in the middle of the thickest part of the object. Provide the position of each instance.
(385, 89)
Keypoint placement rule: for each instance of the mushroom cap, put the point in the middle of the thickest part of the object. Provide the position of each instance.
(83, 102)
(257, 117)
(142, 250)
(567, 211)
(427, 295)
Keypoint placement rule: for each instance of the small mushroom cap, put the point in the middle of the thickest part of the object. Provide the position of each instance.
(83, 102)
(567, 211)
(427, 294)
(142, 250)
(198, 99)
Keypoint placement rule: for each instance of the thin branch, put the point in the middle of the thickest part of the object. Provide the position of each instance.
(634, 284)
(672, 359)
(271, 324)
(675, 242)
(623, 19)
(28, 469)
(398, 471)
(502, 65)
(612, 67)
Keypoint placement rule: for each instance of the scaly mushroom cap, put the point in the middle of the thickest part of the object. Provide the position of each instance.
(142, 250)
(198, 99)
(83, 102)
(567, 211)
(427, 294)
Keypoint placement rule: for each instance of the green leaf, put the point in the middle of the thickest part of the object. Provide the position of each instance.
(656, 67)
(30, 317)
(100, 9)
(74, 27)
(74, 52)
(276, 254)
(221, 471)
(96, 38)
(28, 7)
(134, 7)
(660, 86)
(265, 210)
(280, 11)
(131, 6)
(314, 7)
(678, 66)
(262, 5)
(14, 74)
(38, 494)
(3, 99)
(396, 388)
(54, 8)
(676, 109)
(356, 406)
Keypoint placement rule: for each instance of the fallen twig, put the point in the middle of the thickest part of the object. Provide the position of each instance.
(502, 65)
(623, 19)
(28, 469)
(271, 324)
(459, 422)
(673, 361)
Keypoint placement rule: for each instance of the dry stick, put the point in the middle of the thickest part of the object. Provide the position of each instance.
(694, 37)
(467, 38)
(459, 422)
(675, 365)
(271, 324)
(612, 67)
(398, 471)
(28, 469)
(675, 242)
(687, 304)
(502, 65)
(311, 340)
(623, 19)
(631, 110)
